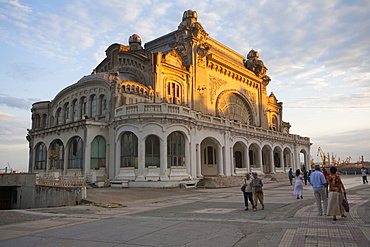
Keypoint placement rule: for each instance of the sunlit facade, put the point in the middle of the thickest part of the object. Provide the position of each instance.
(181, 108)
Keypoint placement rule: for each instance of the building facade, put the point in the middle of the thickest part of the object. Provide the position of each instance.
(181, 108)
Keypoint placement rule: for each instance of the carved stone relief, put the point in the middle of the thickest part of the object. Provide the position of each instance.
(215, 83)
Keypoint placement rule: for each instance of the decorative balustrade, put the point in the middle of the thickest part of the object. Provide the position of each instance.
(179, 110)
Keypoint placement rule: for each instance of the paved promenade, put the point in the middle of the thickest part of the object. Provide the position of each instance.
(191, 217)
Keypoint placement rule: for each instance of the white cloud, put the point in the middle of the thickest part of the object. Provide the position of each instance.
(6, 117)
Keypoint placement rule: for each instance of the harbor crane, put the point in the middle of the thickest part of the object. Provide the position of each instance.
(322, 155)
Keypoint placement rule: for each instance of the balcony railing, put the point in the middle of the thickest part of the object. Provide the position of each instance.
(161, 109)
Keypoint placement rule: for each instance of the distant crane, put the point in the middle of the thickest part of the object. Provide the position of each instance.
(334, 159)
(347, 160)
(322, 155)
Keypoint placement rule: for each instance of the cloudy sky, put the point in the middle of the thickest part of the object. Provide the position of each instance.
(317, 53)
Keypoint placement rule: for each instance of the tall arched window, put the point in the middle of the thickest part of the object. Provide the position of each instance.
(103, 101)
(40, 156)
(129, 150)
(174, 92)
(75, 110)
(83, 107)
(175, 149)
(58, 148)
(75, 153)
(274, 123)
(238, 159)
(98, 149)
(234, 107)
(152, 151)
(36, 121)
(44, 120)
(58, 116)
(210, 155)
(94, 106)
(66, 113)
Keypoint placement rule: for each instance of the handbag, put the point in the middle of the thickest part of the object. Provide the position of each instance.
(345, 203)
(258, 189)
(242, 188)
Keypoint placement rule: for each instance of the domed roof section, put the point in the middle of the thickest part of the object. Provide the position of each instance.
(109, 77)
(128, 77)
(103, 76)
(135, 43)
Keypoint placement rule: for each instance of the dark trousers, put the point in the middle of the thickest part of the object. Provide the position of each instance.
(364, 179)
(248, 196)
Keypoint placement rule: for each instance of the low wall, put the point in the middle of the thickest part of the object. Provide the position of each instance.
(21, 191)
(52, 196)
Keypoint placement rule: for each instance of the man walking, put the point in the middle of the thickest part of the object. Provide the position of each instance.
(290, 175)
(364, 175)
(318, 182)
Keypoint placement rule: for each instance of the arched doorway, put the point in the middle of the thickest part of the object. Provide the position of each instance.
(241, 158)
(209, 157)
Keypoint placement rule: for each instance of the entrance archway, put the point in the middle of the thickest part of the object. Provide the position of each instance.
(210, 151)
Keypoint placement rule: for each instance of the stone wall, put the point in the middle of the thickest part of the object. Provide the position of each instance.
(22, 192)
(50, 196)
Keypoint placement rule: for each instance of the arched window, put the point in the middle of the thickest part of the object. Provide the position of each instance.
(83, 107)
(210, 155)
(238, 159)
(75, 153)
(58, 116)
(152, 151)
(36, 121)
(174, 92)
(43, 121)
(94, 106)
(75, 110)
(98, 148)
(58, 148)
(234, 107)
(277, 160)
(252, 159)
(274, 123)
(66, 113)
(40, 156)
(175, 149)
(129, 150)
(103, 101)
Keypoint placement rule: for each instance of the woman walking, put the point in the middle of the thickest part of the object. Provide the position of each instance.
(247, 191)
(336, 194)
(298, 186)
(257, 191)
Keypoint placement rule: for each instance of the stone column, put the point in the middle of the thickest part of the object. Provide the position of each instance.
(246, 159)
(141, 161)
(232, 161)
(272, 165)
(198, 161)
(220, 170)
(259, 159)
(163, 159)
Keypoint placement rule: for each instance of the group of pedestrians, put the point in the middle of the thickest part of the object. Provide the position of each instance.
(252, 190)
(328, 190)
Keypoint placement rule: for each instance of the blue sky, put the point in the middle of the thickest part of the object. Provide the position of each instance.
(317, 53)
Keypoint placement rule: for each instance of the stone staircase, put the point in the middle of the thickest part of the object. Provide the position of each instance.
(233, 181)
